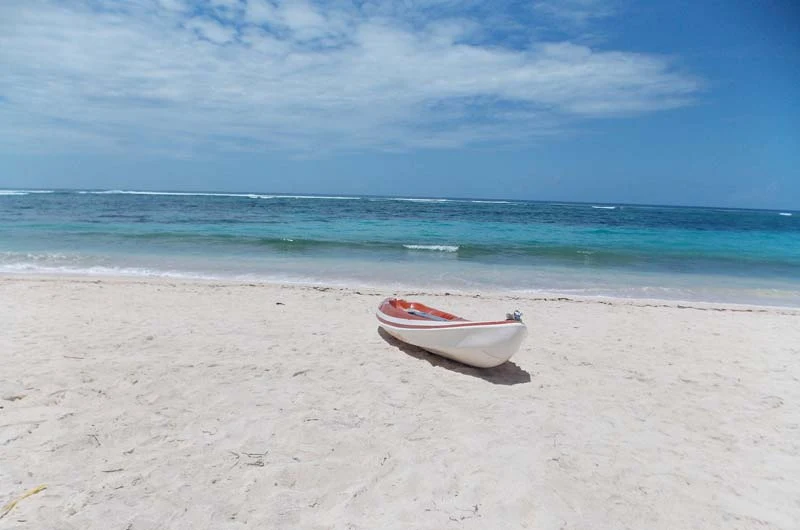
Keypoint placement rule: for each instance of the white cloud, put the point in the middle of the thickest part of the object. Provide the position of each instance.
(302, 18)
(230, 4)
(261, 12)
(174, 5)
(299, 76)
(212, 30)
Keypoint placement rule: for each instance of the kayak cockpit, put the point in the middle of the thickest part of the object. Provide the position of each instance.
(416, 311)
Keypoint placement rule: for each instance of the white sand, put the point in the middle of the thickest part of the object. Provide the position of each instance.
(145, 405)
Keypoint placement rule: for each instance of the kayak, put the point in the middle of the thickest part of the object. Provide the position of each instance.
(483, 344)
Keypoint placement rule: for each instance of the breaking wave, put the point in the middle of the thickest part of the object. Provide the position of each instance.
(439, 248)
(23, 192)
(176, 193)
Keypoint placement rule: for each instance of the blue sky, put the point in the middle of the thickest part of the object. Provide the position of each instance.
(683, 102)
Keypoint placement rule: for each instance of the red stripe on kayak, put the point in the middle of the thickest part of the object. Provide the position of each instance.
(447, 325)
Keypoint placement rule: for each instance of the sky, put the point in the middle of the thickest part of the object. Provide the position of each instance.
(681, 102)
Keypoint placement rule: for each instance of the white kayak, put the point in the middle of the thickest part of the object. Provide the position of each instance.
(480, 344)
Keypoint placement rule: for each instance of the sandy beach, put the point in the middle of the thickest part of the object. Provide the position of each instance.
(159, 404)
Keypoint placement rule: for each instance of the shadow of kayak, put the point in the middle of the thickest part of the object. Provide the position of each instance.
(507, 373)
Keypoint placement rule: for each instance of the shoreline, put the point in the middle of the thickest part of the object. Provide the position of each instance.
(544, 296)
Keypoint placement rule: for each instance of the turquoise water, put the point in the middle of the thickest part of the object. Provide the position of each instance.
(710, 254)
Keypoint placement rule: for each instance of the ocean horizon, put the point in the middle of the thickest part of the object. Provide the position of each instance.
(710, 254)
(10, 191)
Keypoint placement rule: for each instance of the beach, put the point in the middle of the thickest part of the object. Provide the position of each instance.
(147, 403)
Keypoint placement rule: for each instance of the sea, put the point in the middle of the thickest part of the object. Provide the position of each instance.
(405, 243)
